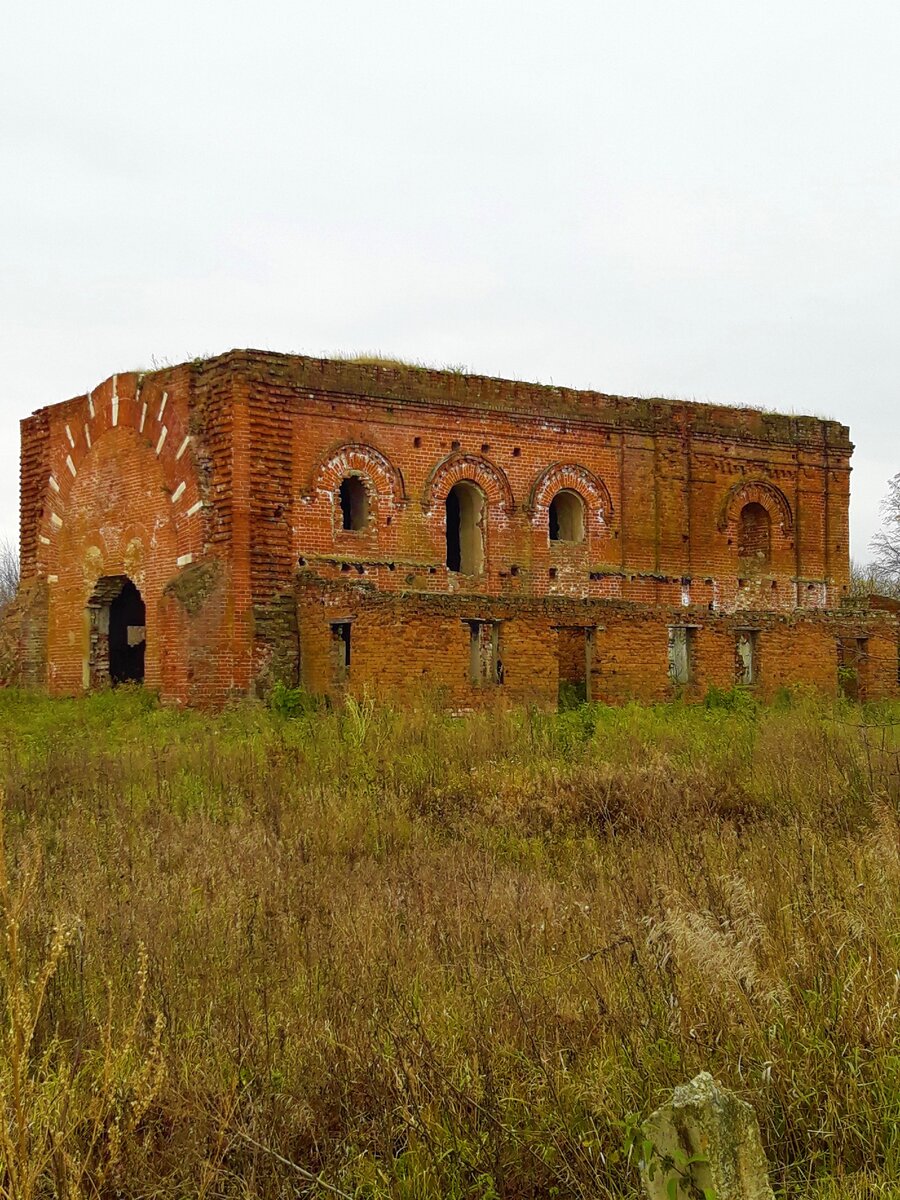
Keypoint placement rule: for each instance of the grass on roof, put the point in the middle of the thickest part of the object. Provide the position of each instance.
(377, 359)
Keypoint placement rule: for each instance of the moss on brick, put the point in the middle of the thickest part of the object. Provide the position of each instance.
(277, 643)
(193, 586)
(23, 636)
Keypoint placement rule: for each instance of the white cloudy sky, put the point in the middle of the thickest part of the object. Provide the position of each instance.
(694, 198)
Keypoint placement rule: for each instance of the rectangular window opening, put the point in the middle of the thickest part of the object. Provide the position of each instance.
(681, 654)
(340, 644)
(575, 654)
(485, 665)
(853, 657)
(746, 658)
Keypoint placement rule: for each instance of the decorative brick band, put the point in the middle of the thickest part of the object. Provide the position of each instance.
(117, 404)
(459, 467)
(355, 458)
(571, 477)
(756, 491)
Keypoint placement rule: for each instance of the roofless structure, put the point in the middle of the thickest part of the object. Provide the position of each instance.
(211, 528)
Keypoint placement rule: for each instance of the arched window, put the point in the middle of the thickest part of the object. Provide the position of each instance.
(566, 517)
(755, 534)
(465, 528)
(354, 504)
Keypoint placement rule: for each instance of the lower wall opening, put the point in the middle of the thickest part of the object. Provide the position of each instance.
(853, 656)
(117, 632)
(575, 652)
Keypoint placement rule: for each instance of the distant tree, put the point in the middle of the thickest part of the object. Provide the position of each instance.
(886, 544)
(9, 572)
(871, 580)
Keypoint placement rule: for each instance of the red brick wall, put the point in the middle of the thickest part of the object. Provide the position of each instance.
(23, 636)
(234, 465)
(112, 484)
(572, 654)
(403, 647)
(403, 643)
(664, 485)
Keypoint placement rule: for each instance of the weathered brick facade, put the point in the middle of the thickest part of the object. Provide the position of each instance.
(352, 526)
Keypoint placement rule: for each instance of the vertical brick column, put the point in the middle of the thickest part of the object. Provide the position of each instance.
(242, 451)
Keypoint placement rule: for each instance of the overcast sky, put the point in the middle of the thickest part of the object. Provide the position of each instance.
(671, 197)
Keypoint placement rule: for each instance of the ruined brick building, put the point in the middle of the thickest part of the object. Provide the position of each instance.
(217, 526)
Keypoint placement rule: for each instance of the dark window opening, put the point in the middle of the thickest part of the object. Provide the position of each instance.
(340, 638)
(117, 633)
(485, 665)
(454, 554)
(354, 504)
(465, 507)
(566, 517)
(755, 534)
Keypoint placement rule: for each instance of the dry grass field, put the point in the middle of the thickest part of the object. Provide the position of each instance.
(398, 954)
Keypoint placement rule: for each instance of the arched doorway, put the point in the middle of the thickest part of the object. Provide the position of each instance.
(117, 632)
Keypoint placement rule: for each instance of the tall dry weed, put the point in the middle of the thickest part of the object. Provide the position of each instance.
(68, 1114)
(398, 954)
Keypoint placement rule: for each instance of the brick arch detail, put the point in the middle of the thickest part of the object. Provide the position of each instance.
(571, 477)
(119, 521)
(356, 458)
(756, 491)
(468, 468)
(112, 408)
(107, 588)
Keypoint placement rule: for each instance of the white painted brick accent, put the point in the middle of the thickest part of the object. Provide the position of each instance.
(179, 492)
(184, 560)
(162, 440)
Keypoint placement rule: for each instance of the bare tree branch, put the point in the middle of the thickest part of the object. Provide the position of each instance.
(872, 580)
(886, 544)
(9, 572)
